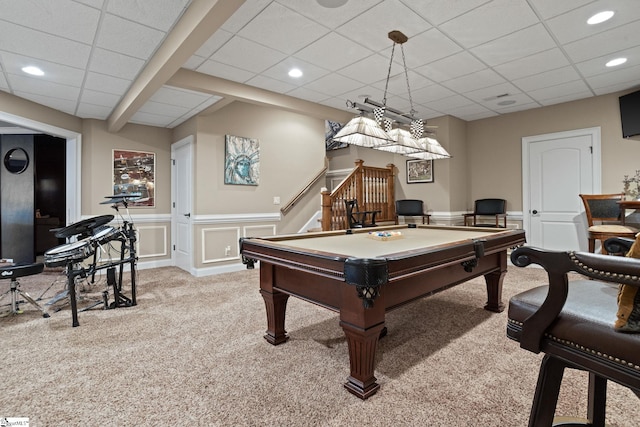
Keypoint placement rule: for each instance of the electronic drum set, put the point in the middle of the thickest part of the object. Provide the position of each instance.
(88, 251)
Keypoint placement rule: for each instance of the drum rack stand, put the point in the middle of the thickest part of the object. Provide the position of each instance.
(13, 272)
(119, 299)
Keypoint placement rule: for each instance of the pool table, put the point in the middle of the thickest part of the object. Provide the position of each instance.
(361, 275)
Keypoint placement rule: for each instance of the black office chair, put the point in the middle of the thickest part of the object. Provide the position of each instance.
(496, 208)
(411, 207)
(357, 218)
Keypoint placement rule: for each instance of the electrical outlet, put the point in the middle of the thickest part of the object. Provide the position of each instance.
(227, 251)
(276, 200)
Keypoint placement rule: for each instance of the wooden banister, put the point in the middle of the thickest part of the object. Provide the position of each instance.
(373, 187)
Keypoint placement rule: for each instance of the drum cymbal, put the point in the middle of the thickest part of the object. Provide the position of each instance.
(84, 226)
(120, 198)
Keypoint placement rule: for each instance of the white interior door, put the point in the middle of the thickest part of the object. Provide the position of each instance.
(556, 169)
(181, 203)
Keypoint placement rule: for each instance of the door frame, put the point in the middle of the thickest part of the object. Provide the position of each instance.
(596, 164)
(187, 141)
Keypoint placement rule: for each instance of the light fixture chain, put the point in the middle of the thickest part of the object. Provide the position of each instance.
(386, 85)
(406, 76)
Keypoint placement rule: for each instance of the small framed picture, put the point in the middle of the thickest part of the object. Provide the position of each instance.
(419, 171)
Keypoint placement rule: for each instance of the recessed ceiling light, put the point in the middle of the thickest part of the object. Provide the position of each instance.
(615, 62)
(600, 17)
(295, 72)
(332, 3)
(34, 71)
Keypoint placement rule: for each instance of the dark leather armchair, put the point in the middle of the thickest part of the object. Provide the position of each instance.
(357, 218)
(411, 207)
(496, 208)
(572, 323)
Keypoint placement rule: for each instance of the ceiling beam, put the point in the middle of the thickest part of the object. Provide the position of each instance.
(198, 23)
(193, 80)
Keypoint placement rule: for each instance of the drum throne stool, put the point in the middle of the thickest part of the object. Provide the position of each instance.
(13, 272)
(572, 322)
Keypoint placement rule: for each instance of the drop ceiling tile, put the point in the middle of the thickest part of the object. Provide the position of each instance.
(267, 83)
(54, 72)
(180, 97)
(371, 27)
(90, 111)
(369, 70)
(150, 119)
(158, 14)
(108, 84)
(547, 78)
(194, 62)
(491, 92)
(245, 13)
(330, 17)
(438, 11)
(94, 97)
(247, 55)
(518, 107)
(333, 85)
(631, 75)
(616, 87)
(475, 81)
(123, 36)
(616, 39)
(533, 64)
(432, 93)
(162, 109)
(215, 42)
(489, 22)
(115, 64)
(36, 44)
(398, 83)
(494, 104)
(33, 85)
(307, 94)
(595, 66)
(64, 105)
(573, 26)
(93, 3)
(280, 71)
(515, 46)
(224, 71)
(453, 66)
(427, 47)
(559, 91)
(280, 37)
(333, 52)
(338, 103)
(359, 94)
(63, 18)
(550, 8)
(566, 98)
(3, 83)
(451, 103)
(470, 112)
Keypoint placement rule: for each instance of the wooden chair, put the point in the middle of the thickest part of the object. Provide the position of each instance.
(496, 208)
(411, 207)
(602, 210)
(357, 218)
(572, 323)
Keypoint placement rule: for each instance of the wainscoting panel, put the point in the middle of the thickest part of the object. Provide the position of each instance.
(220, 244)
(152, 241)
(259, 230)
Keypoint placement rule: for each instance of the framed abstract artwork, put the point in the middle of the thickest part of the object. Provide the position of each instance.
(241, 160)
(331, 128)
(134, 172)
(419, 171)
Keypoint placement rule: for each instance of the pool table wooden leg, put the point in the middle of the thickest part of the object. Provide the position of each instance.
(362, 353)
(275, 303)
(494, 286)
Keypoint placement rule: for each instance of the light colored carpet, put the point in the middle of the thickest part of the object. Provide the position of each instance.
(192, 353)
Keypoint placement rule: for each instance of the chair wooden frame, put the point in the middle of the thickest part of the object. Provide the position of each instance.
(601, 211)
(411, 207)
(571, 321)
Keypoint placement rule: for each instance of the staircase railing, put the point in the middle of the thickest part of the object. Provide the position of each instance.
(373, 188)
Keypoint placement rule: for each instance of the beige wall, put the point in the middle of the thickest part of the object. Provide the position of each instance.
(494, 146)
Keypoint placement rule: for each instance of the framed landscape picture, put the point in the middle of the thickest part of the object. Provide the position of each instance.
(134, 172)
(419, 171)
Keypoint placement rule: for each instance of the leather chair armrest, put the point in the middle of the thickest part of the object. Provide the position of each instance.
(618, 245)
(605, 268)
